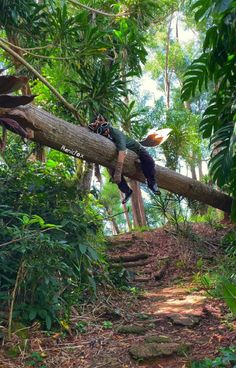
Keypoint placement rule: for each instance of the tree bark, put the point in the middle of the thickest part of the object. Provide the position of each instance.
(115, 228)
(126, 213)
(80, 142)
(177, 28)
(193, 171)
(200, 171)
(167, 77)
(40, 153)
(141, 206)
(138, 211)
(87, 177)
(137, 218)
(137, 205)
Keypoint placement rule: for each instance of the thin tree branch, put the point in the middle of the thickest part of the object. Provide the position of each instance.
(109, 217)
(76, 2)
(25, 51)
(49, 46)
(25, 237)
(50, 57)
(70, 107)
(13, 298)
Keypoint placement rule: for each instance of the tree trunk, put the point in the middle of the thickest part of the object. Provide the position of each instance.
(115, 228)
(40, 153)
(193, 172)
(200, 171)
(141, 206)
(177, 28)
(128, 222)
(138, 210)
(137, 199)
(135, 204)
(84, 173)
(192, 165)
(87, 177)
(80, 142)
(167, 76)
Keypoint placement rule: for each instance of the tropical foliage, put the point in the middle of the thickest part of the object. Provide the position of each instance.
(51, 233)
(216, 66)
(226, 358)
(50, 239)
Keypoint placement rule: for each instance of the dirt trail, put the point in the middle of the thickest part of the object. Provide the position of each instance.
(163, 322)
(175, 317)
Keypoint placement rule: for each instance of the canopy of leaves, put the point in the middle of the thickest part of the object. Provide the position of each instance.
(95, 53)
(217, 65)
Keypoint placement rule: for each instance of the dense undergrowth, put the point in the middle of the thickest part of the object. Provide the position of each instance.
(226, 358)
(220, 279)
(51, 240)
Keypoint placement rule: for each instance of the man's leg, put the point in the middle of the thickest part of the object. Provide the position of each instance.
(148, 168)
(123, 186)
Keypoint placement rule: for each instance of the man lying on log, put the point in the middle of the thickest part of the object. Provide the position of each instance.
(100, 126)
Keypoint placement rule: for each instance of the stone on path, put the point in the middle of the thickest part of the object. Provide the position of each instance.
(148, 351)
(157, 339)
(106, 361)
(187, 320)
(132, 329)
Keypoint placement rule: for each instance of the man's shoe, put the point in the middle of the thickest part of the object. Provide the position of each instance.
(154, 188)
(127, 196)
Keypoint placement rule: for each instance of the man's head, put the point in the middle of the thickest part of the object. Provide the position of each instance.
(99, 125)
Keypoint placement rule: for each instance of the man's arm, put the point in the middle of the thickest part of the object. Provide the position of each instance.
(119, 139)
(119, 167)
(121, 157)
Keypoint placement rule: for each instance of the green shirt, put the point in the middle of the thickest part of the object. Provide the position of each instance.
(122, 141)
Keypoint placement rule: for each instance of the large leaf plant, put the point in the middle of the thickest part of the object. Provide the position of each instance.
(216, 67)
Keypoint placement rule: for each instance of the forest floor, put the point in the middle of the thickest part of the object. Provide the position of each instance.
(163, 319)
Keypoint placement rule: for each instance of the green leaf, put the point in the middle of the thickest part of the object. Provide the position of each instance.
(93, 254)
(37, 220)
(211, 38)
(233, 210)
(83, 248)
(32, 314)
(229, 295)
(202, 12)
(197, 4)
(48, 321)
(92, 283)
(223, 5)
(42, 313)
(25, 220)
(194, 77)
(51, 164)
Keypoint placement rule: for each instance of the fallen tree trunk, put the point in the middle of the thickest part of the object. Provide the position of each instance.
(79, 142)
